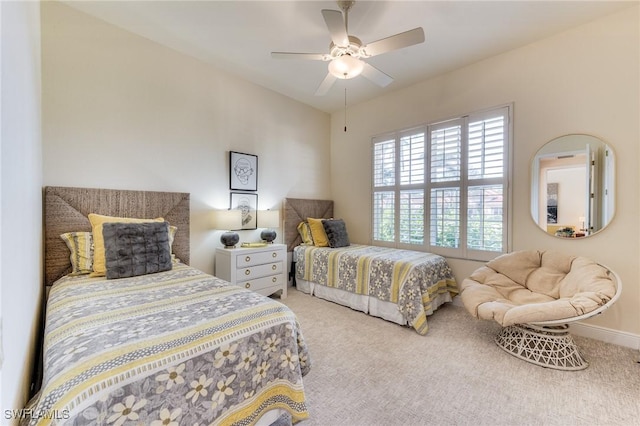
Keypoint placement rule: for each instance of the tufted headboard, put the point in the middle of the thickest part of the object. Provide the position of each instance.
(66, 210)
(297, 210)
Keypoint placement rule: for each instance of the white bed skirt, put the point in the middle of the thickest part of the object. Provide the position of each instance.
(270, 417)
(369, 305)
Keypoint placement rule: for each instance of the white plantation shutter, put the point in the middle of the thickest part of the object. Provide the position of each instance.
(485, 218)
(486, 148)
(384, 179)
(445, 186)
(445, 146)
(412, 169)
(384, 163)
(384, 216)
(412, 216)
(412, 158)
(398, 196)
(445, 217)
(486, 181)
(446, 153)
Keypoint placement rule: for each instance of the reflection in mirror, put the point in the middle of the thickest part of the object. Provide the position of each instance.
(572, 191)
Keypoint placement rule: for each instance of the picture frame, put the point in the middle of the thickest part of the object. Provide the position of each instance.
(243, 171)
(248, 204)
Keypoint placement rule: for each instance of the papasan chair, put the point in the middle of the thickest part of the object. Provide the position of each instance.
(534, 295)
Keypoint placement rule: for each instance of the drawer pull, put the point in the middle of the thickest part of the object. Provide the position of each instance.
(247, 285)
(274, 267)
(274, 279)
(274, 254)
(247, 259)
(247, 272)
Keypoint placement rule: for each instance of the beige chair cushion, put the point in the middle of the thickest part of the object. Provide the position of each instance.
(532, 286)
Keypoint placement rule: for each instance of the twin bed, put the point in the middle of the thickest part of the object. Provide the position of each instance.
(154, 348)
(402, 286)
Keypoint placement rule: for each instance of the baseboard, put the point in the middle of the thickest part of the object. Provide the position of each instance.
(607, 335)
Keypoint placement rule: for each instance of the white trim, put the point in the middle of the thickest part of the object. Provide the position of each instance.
(607, 335)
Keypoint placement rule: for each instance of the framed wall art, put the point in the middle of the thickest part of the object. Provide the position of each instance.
(248, 204)
(243, 171)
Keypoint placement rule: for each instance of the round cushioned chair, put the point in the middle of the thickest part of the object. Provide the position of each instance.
(534, 295)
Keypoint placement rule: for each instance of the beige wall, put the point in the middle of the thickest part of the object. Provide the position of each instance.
(120, 111)
(585, 80)
(21, 195)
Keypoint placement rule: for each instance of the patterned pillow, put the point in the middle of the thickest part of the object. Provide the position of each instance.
(305, 233)
(80, 245)
(133, 249)
(336, 231)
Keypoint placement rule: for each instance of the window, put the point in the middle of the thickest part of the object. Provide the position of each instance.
(443, 186)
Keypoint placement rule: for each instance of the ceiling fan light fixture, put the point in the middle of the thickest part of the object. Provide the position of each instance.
(346, 67)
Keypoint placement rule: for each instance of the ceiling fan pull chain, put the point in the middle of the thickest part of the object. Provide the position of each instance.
(345, 109)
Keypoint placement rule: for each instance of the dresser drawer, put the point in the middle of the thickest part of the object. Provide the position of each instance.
(262, 283)
(260, 270)
(267, 256)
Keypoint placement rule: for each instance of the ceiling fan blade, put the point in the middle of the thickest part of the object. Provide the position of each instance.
(374, 74)
(336, 26)
(309, 56)
(326, 84)
(398, 41)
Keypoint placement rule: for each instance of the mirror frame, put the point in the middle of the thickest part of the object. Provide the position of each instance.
(601, 164)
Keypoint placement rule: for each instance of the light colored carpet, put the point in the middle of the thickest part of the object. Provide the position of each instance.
(367, 371)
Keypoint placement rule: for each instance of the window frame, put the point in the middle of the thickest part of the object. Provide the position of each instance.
(464, 184)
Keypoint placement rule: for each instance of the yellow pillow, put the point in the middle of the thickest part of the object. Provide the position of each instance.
(305, 233)
(317, 232)
(99, 261)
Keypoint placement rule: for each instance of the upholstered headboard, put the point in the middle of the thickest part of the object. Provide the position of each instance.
(297, 210)
(66, 210)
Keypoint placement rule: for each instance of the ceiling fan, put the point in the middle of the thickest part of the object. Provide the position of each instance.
(346, 52)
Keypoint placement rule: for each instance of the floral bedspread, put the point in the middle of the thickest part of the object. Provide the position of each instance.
(407, 278)
(177, 347)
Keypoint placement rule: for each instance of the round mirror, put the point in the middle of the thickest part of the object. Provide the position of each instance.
(572, 190)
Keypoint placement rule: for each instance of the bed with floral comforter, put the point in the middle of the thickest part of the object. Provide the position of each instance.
(176, 346)
(416, 283)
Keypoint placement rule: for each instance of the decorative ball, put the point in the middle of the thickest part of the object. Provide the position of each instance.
(229, 239)
(268, 235)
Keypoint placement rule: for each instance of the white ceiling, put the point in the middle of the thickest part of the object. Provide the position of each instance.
(238, 36)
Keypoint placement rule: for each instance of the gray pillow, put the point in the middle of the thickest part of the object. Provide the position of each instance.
(336, 231)
(133, 249)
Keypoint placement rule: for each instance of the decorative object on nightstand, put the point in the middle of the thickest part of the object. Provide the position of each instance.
(268, 219)
(260, 269)
(228, 220)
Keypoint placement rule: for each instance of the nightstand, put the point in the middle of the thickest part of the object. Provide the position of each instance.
(261, 269)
